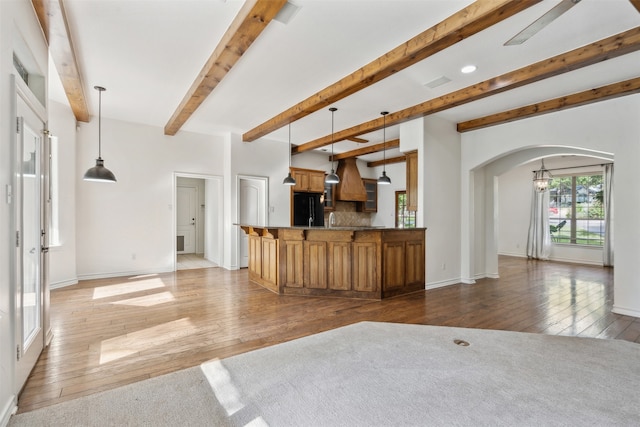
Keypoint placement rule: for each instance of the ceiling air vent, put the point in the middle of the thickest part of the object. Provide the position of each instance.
(437, 82)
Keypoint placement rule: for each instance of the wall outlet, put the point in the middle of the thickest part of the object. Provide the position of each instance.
(444, 266)
(133, 256)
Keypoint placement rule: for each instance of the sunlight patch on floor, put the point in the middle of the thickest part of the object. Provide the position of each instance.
(148, 300)
(134, 342)
(126, 288)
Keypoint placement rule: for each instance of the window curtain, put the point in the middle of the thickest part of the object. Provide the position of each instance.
(539, 239)
(607, 248)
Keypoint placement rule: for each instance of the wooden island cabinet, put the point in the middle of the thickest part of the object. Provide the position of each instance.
(352, 262)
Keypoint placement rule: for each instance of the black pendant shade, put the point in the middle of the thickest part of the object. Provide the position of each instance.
(99, 173)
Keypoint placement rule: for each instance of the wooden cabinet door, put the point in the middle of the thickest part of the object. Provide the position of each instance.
(255, 256)
(340, 266)
(302, 180)
(394, 265)
(316, 182)
(294, 264)
(365, 270)
(270, 261)
(414, 266)
(315, 261)
(412, 181)
(371, 204)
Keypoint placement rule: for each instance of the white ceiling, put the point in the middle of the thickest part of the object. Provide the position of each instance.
(147, 53)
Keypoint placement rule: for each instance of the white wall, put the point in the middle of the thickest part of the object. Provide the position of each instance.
(386, 215)
(514, 209)
(62, 258)
(438, 145)
(439, 169)
(19, 31)
(127, 227)
(606, 129)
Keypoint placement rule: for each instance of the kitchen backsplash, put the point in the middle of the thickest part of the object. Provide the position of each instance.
(346, 215)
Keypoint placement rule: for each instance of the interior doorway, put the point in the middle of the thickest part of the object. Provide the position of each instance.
(198, 227)
(253, 200)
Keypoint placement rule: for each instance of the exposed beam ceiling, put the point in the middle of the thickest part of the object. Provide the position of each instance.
(53, 22)
(615, 90)
(252, 19)
(395, 143)
(467, 22)
(636, 4)
(398, 159)
(610, 47)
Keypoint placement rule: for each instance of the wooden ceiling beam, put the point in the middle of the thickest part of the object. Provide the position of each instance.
(636, 4)
(472, 19)
(253, 18)
(398, 159)
(53, 21)
(608, 48)
(394, 143)
(615, 90)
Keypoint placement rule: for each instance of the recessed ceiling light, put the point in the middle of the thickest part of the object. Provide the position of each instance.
(468, 69)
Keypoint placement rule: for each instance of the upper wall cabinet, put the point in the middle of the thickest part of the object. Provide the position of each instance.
(308, 180)
(371, 204)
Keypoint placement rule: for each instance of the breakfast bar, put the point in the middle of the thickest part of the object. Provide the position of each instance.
(351, 262)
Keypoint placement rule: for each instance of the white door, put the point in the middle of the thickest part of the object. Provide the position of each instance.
(30, 238)
(187, 199)
(252, 210)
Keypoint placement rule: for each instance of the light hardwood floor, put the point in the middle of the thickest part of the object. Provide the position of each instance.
(111, 332)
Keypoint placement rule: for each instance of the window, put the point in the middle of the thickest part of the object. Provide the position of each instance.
(404, 218)
(54, 198)
(576, 212)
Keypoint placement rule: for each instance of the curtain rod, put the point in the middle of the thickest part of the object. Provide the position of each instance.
(578, 167)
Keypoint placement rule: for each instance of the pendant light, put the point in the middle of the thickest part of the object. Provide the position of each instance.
(541, 178)
(99, 172)
(289, 180)
(332, 178)
(384, 179)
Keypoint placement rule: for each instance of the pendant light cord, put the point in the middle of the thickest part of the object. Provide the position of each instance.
(99, 124)
(289, 147)
(100, 89)
(384, 142)
(333, 110)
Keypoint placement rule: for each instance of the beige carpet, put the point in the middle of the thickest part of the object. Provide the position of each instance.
(382, 374)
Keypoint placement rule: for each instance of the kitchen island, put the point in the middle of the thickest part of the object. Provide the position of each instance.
(352, 262)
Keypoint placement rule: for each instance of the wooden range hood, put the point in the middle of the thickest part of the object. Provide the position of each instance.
(350, 188)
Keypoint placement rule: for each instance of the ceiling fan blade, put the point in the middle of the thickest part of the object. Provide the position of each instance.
(542, 22)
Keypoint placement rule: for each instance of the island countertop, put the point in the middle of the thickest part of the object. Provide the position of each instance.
(356, 262)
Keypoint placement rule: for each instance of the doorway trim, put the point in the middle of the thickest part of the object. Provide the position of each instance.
(219, 182)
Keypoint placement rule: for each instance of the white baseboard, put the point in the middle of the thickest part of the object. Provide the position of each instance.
(8, 410)
(442, 283)
(123, 274)
(513, 254)
(625, 311)
(576, 261)
(48, 337)
(63, 283)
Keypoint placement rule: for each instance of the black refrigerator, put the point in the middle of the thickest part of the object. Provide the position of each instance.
(308, 209)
